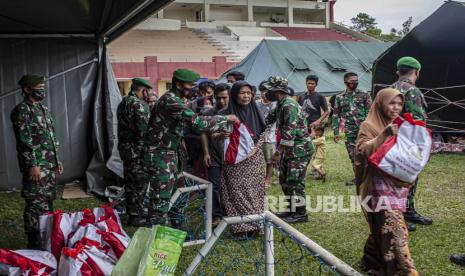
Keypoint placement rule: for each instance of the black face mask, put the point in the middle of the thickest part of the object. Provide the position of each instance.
(272, 96)
(352, 85)
(38, 94)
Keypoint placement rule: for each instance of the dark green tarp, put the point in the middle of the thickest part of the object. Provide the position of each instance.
(296, 59)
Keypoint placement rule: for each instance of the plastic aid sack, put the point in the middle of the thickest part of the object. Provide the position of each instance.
(151, 252)
(404, 155)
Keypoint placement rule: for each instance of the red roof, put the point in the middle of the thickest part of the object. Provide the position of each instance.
(313, 34)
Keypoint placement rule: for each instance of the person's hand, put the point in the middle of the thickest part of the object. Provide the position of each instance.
(60, 168)
(34, 173)
(314, 124)
(232, 119)
(275, 157)
(392, 129)
(207, 161)
(336, 139)
(225, 134)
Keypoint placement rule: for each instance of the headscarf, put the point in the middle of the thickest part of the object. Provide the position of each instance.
(370, 137)
(250, 115)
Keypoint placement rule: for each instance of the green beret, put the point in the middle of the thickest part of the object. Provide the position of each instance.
(31, 80)
(141, 82)
(409, 62)
(186, 75)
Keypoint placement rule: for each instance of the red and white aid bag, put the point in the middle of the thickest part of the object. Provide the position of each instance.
(404, 155)
(239, 144)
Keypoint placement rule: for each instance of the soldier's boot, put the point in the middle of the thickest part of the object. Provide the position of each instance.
(286, 213)
(458, 259)
(137, 221)
(412, 216)
(300, 215)
(33, 240)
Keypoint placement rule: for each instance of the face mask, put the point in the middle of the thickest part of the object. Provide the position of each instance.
(352, 85)
(38, 94)
(272, 96)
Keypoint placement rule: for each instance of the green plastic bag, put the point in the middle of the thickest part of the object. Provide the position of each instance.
(151, 252)
(164, 253)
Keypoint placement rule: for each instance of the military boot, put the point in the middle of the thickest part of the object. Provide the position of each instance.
(300, 215)
(33, 240)
(137, 221)
(458, 259)
(412, 216)
(286, 213)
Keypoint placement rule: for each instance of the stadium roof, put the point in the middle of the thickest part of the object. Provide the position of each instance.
(297, 59)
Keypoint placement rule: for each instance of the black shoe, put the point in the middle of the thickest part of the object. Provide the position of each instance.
(137, 221)
(411, 227)
(283, 214)
(458, 259)
(33, 241)
(412, 216)
(350, 183)
(296, 218)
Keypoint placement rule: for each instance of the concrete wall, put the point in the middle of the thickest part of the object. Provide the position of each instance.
(160, 24)
(180, 14)
(228, 14)
(158, 72)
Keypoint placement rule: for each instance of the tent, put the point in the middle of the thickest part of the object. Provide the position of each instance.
(439, 44)
(329, 60)
(66, 41)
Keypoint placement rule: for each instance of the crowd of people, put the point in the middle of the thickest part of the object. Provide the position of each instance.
(185, 129)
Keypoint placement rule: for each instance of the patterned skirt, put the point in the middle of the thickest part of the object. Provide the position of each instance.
(386, 251)
(243, 190)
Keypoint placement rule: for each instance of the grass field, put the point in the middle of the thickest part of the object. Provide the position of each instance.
(440, 194)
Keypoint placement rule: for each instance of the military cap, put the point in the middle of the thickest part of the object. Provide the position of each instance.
(409, 62)
(186, 75)
(277, 83)
(31, 80)
(141, 82)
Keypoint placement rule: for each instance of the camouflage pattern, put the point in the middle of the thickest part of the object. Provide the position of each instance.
(37, 145)
(133, 116)
(414, 103)
(39, 196)
(298, 147)
(352, 108)
(165, 132)
(292, 125)
(414, 100)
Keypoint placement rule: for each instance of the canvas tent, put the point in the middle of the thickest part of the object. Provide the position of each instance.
(439, 44)
(66, 41)
(329, 60)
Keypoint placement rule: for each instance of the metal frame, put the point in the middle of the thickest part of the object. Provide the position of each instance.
(208, 187)
(270, 221)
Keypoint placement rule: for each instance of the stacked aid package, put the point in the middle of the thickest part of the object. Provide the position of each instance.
(85, 243)
(404, 156)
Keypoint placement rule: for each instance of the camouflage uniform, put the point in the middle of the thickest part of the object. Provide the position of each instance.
(168, 119)
(352, 108)
(414, 103)
(37, 145)
(133, 117)
(293, 130)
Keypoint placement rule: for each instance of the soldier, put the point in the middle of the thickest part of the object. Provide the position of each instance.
(133, 117)
(37, 148)
(352, 107)
(408, 70)
(295, 147)
(168, 119)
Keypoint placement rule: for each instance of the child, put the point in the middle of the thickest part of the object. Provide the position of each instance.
(318, 136)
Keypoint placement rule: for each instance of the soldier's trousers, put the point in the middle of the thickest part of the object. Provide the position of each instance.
(292, 173)
(39, 196)
(162, 171)
(350, 147)
(411, 197)
(135, 186)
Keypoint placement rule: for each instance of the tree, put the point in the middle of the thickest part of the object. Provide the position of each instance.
(406, 27)
(363, 22)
